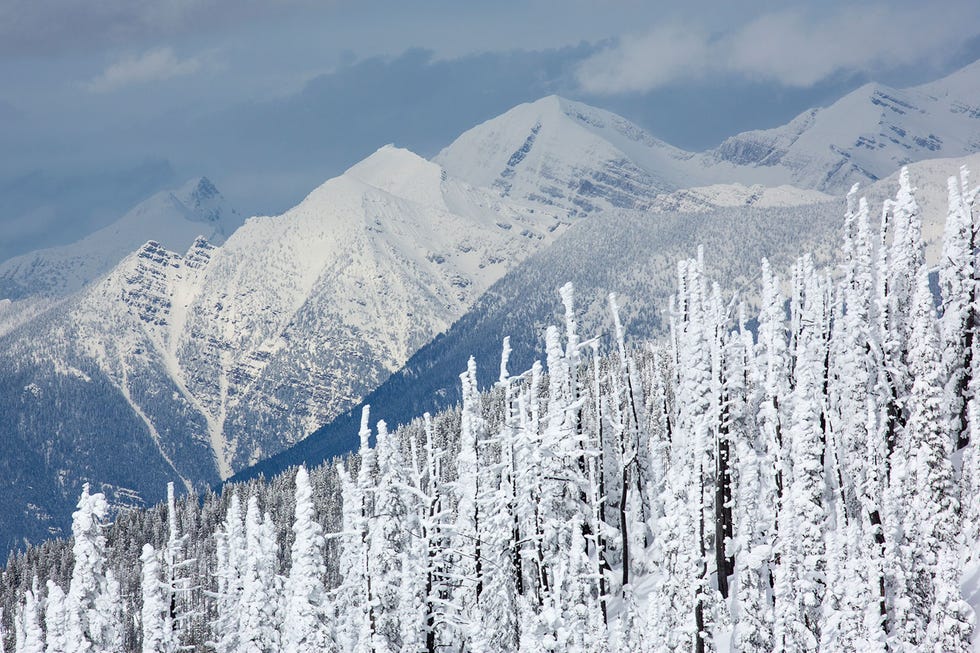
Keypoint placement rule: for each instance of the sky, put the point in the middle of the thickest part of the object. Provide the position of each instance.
(104, 103)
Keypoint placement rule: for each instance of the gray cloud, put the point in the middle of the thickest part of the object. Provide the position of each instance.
(47, 27)
(151, 66)
(791, 47)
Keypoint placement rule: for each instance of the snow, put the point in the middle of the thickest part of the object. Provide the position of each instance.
(970, 589)
(174, 218)
(568, 154)
(264, 330)
(336, 291)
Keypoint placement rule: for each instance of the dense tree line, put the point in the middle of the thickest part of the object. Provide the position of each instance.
(807, 484)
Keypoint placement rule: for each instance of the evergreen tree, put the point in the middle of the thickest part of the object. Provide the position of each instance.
(951, 621)
(387, 539)
(799, 585)
(55, 620)
(30, 637)
(91, 605)
(158, 635)
(922, 492)
(304, 611)
(957, 282)
(466, 544)
(259, 609)
(230, 554)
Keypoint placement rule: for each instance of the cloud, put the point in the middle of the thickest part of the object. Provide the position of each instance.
(49, 27)
(151, 66)
(646, 62)
(792, 47)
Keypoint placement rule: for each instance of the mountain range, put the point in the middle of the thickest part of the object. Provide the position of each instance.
(148, 354)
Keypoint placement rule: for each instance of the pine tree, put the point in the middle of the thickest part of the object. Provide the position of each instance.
(30, 637)
(92, 600)
(679, 608)
(499, 533)
(304, 612)
(957, 282)
(356, 619)
(55, 620)
(951, 621)
(230, 553)
(387, 539)
(799, 582)
(466, 544)
(258, 617)
(921, 490)
(754, 501)
(177, 584)
(158, 635)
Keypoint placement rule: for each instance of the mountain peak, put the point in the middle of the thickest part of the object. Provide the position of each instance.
(202, 190)
(565, 154)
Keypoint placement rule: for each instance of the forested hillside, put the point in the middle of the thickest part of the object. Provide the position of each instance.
(809, 484)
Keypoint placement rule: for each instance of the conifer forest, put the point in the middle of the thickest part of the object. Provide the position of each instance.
(792, 469)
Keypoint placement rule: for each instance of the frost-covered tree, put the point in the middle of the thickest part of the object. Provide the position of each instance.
(29, 635)
(499, 532)
(158, 634)
(958, 285)
(387, 539)
(799, 584)
(55, 620)
(466, 544)
(304, 600)
(259, 607)
(230, 554)
(92, 603)
(922, 490)
(951, 620)
(754, 499)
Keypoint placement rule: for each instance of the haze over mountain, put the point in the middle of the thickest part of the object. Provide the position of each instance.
(173, 218)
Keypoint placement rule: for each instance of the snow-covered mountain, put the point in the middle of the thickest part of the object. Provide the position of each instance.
(557, 152)
(217, 357)
(173, 218)
(567, 154)
(866, 135)
(202, 357)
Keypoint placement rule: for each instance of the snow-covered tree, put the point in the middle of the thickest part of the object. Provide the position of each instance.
(91, 605)
(158, 634)
(799, 584)
(259, 608)
(230, 553)
(304, 608)
(30, 636)
(922, 490)
(55, 620)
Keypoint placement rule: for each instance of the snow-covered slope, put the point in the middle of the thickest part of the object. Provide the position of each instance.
(866, 135)
(173, 218)
(223, 355)
(567, 154)
(559, 152)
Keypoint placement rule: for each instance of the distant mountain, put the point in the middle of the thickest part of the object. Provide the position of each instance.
(173, 218)
(211, 360)
(557, 152)
(865, 136)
